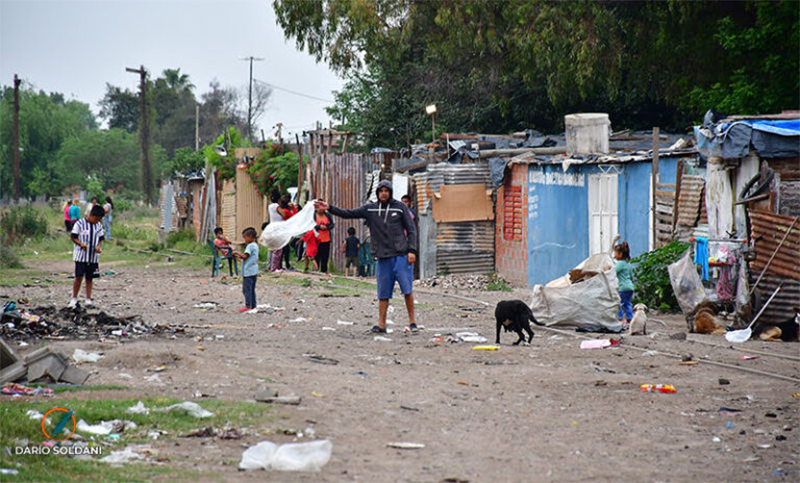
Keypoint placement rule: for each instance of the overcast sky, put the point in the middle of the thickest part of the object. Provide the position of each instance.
(76, 47)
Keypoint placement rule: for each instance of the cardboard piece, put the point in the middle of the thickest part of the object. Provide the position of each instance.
(463, 202)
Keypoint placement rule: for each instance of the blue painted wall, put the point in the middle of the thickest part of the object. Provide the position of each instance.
(558, 214)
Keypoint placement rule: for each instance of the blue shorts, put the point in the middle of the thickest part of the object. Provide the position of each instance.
(390, 270)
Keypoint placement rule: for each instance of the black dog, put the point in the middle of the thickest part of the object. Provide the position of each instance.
(514, 315)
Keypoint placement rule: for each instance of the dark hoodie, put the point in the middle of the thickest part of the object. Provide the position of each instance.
(391, 228)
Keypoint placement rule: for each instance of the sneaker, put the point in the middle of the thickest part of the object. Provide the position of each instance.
(73, 303)
(377, 330)
(243, 310)
(413, 328)
(88, 303)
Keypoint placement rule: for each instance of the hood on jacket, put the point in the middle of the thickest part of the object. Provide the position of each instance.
(385, 184)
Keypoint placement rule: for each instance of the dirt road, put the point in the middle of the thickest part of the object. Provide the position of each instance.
(546, 412)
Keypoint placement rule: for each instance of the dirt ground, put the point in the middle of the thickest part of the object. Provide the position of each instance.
(545, 412)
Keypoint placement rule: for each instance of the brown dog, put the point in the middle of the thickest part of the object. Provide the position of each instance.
(704, 320)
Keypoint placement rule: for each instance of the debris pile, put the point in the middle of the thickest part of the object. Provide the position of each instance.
(39, 366)
(68, 323)
(473, 282)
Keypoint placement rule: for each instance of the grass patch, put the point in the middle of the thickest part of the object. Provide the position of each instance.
(350, 282)
(497, 284)
(341, 292)
(99, 387)
(15, 425)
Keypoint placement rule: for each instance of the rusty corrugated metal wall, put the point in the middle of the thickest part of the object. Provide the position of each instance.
(340, 179)
(461, 247)
(767, 230)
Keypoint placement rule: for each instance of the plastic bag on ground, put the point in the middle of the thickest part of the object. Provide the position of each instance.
(190, 408)
(278, 235)
(81, 355)
(311, 456)
(686, 283)
(124, 456)
(138, 408)
(592, 302)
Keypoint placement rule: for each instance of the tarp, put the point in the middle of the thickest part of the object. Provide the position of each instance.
(770, 139)
(278, 235)
(589, 303)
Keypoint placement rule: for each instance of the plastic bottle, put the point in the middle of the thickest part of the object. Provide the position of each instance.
(663, 388)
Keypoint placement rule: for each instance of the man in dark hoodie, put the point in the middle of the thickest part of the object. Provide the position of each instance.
(394, 244)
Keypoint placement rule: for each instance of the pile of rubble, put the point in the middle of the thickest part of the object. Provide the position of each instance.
(40, 366)
(472, 282)
(21, 324)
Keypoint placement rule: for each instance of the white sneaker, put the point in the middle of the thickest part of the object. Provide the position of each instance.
(88, 302)
(73, 303)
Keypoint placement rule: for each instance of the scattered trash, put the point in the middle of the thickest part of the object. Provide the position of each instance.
(299, 319)
(343, 322)
(329, 328)
(270, 396)
(485, 348)
(688, 363)
(595, 343)
(191, 408)
(20, 390)
(409, 408)
(471, 337)
(748, 358)
(729, 425)
(8, 471)
(105, 427)
(723, 382)
(663, 388)
(405, 445)
(381, 338)
(266, 455)
(125, 456)
(317, 394)
(35, 415)
(138, 408)
(764, 446)
(81, 355)
(725, 410)
(716, 440)
(649, 353)
(206, 305)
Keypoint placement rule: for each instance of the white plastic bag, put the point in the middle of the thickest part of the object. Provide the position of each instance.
(278, 235)
(686, 283)
(191, 408)
(81, 355)
(311, 456)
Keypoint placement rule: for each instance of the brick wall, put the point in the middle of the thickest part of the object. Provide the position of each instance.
(511, 227)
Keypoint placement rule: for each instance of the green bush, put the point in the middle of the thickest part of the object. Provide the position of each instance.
(177, 237)
(651, 278)
(9, 258)
(497, 284)
(19, 223)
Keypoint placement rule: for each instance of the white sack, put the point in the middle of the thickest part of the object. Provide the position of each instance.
(590, 303)
(278, 235)
(311, 456)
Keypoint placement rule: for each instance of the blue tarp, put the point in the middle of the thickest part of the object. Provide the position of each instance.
(770, 139)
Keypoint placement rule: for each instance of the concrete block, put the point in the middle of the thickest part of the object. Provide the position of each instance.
(14, 372)
(8, 356)
(45, 363)
(73, 375)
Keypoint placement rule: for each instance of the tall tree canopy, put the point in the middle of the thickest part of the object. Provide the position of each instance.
(500, 66)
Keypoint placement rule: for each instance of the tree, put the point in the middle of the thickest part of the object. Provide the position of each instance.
(46, 122)
(499, 66)
(120, 108)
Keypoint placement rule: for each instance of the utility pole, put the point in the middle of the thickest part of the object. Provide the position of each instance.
(16, 139)
(197, 127)
(144, 134)
(250, 98)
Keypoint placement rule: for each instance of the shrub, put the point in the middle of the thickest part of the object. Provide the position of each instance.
(9, 258)
(20, 223)
(497, 283)
(651, 279)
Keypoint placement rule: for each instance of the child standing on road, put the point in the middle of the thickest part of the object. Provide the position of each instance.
(87, 235)
(350, 249)
(311, 242)
(622, 254)
(249, 268)
(221, 242)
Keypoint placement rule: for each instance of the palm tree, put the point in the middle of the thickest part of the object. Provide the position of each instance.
(177, 81)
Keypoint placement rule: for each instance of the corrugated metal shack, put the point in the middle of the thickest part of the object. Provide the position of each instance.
(456, 219)
(556, 210)
(752, 190)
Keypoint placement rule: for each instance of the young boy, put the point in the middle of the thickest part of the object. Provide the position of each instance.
(222, 243)
(350, 249)
(87, 235)
(311, 241)
(249, 268)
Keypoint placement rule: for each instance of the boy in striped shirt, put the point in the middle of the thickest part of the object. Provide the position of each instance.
(87, 235)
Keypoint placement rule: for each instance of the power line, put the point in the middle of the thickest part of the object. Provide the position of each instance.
(295, 92)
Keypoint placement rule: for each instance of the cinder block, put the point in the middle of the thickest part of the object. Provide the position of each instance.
(8, 356)
(73, 375)
(14, 372)
(45, 363)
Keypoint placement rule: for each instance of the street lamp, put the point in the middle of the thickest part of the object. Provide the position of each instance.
(431, 110)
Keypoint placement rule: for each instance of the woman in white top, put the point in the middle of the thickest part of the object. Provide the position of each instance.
(276, 215)
(108, 218)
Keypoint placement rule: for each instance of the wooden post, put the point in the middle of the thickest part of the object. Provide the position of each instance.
(654, 185)
(299, 164)
(17, 181)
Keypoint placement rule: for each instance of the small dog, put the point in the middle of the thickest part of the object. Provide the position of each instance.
(786, 331)
(639, 322)
(703, 320)
(514, 316)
